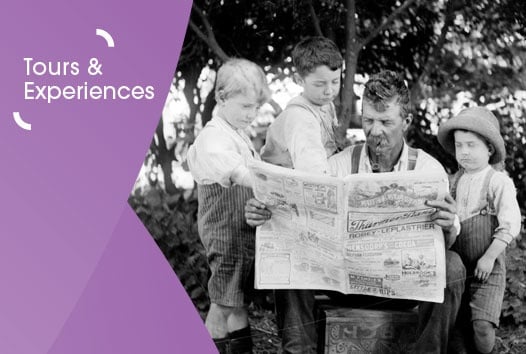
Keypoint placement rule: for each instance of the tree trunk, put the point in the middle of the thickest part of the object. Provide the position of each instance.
(348, 117)
(209, 105)
(166, 156)
(164, 159)
(191, 92)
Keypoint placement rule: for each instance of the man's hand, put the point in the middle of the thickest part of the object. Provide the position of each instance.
(444, 216)
(256, 213)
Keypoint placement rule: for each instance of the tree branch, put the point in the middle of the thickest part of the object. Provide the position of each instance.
(315, 19)
(209, 38)
(448, 21)
(451, 7)
(386, 22)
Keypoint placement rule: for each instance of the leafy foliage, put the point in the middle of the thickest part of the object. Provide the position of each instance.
(514, 306)
(171, 220)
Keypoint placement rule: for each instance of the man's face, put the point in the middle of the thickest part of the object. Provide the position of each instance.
(321, 86)
(384, 130)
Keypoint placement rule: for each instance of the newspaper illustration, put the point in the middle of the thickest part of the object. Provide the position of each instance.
(367, 234)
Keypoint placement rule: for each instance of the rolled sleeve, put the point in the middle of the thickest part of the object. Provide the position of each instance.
(214, 158)
(507, 208)
(303, 137)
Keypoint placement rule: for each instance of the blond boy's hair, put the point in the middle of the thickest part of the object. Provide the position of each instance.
(239, 76)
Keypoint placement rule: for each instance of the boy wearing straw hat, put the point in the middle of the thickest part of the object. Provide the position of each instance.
(489, 214)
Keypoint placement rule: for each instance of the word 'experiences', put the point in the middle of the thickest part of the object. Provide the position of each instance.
(80, 91)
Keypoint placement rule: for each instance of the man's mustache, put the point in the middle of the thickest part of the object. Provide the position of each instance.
(375, 142)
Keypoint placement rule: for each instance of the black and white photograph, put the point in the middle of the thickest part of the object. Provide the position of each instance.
(275, 104)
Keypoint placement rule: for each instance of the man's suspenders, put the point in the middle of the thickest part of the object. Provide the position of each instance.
(411, 158)
(356, 152)
(355, 160)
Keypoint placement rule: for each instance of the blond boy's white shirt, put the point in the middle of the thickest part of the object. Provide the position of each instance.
(220, 154)
(501, 191)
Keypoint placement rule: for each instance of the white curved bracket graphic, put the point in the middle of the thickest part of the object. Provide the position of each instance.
(106, 36)
(20, 122)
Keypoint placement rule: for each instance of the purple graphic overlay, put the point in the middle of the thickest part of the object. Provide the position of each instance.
(121, 281)
(65, 183)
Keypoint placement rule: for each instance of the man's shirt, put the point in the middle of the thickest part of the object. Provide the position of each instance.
(340, 164)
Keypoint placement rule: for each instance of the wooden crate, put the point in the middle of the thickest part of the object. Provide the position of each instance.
(360, 331)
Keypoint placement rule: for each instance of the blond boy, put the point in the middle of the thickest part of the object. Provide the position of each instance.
(218, 162)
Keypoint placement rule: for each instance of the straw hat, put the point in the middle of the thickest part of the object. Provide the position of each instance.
(479, 120)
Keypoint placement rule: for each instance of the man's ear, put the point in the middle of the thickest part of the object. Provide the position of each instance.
(220, 97)
(298, 79)
(407, 121)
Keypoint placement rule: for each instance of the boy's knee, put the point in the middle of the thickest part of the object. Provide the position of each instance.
(483, 336)
(229, 310)
(222, 310)
(238, 311)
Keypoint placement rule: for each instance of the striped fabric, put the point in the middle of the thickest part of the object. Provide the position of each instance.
(229, 242)
(485, 299)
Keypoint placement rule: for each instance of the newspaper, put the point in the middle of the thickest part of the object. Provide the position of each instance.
(367, 234)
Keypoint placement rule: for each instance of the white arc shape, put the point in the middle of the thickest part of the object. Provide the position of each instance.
(106, 36)
(20, 122)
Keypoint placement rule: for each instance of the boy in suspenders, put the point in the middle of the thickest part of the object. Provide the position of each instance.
(303, 137)
(490, 216)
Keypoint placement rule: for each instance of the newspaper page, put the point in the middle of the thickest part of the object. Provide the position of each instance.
(391, 248)
(364, 234)
(301, 246)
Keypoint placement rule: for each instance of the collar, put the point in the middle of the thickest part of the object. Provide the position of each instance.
(478, 173)
(400, 165)
(300, 99)
(238, 134)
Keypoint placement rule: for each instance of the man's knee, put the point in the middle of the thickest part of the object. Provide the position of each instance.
(455, 270)
(483, 335)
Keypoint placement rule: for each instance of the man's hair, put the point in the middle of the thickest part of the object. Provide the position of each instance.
(238, 76)
(312, 52)
(385, 86)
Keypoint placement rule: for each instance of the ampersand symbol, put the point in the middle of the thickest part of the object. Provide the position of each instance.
(94, 67)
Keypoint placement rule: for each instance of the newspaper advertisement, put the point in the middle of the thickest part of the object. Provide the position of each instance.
(366, 234)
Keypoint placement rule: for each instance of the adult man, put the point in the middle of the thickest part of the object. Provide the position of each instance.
(385, 118)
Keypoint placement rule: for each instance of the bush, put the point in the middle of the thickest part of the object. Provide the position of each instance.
(171, 221)
(514, 307)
